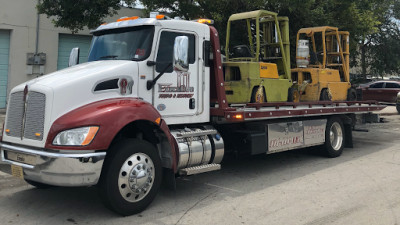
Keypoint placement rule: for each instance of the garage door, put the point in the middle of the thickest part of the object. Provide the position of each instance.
(68, 41)
(4, 51)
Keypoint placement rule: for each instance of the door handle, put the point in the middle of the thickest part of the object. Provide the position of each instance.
(192, 103)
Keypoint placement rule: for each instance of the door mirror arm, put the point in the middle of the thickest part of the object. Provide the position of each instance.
(151, 83)
(151, 63)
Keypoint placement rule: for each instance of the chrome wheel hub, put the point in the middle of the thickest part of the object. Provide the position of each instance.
(336, 136)
(136, 177)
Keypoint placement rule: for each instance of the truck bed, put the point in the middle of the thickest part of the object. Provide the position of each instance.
(261, 111)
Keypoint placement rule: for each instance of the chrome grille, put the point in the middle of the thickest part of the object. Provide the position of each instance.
(15, 114)
(34, 118)
(34, 115)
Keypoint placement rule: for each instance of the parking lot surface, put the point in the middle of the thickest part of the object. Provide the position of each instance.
(296, 187)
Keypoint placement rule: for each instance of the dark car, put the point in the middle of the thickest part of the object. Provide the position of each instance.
(381, 91)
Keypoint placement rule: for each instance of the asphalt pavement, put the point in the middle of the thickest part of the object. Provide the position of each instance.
(296, 187)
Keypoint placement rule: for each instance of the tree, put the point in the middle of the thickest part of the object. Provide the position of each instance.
(77, 14)
(372, 23)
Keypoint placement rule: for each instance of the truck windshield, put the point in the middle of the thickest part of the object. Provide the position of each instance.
(133, 43)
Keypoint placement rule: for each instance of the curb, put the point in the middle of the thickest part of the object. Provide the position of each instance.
(388, 114)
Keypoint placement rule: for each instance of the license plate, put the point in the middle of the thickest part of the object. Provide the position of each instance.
(21, 158)
(17, 171)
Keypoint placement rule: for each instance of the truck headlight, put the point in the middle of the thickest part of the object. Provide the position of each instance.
(76, 137)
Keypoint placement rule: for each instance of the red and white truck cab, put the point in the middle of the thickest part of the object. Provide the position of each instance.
(150, 103)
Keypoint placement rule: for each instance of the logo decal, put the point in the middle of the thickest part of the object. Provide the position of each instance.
(125, 86)
(123, 83)
(161, 107)
(181, 90)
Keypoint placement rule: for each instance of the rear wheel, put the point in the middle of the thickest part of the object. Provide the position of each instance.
(131, 176)
(290, 97)
(351, 94)
(398, 108)
(334, 138)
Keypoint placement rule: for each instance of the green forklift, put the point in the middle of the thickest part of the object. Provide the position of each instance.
(257, 64)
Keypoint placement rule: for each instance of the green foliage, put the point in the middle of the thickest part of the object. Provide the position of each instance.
(77, 14)
(366, 20)
(373, 24)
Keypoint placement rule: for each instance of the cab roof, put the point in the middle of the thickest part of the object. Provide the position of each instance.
(143, 22)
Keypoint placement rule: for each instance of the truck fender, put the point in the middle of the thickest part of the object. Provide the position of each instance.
(111, 115)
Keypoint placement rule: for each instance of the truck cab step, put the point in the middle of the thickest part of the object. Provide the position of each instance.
(199, 169)
(196, 133)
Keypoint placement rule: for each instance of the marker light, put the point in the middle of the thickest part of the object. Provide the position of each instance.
(160, 17)
(205, 21)
(127, 18)
(238, 116)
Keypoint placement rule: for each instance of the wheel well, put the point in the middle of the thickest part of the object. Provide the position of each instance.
(150, 132)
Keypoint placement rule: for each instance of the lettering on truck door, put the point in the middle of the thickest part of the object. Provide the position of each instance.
(176, 93)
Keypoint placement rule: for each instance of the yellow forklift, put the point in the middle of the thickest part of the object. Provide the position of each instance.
(257, 65)
(322, 58)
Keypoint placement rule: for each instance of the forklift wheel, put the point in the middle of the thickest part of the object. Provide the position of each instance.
(325, 95)
(258, 95)
(351, 94)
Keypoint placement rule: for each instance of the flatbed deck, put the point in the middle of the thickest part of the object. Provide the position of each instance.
(222, 111)
(261, 111)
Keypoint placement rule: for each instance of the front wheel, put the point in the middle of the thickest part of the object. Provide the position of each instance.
(258, 95)
(334, 138)
(398, 108)
(325, 96)
(131, 176)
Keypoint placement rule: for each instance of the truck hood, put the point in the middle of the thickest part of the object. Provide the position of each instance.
(76, 74)
(75, 86)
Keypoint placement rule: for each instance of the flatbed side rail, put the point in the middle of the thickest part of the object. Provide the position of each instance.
(259, 111)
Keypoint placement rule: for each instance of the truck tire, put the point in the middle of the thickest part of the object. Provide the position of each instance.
(351, 94)
(334, 138)
(38, 184)
(131, 177)
(324, 95)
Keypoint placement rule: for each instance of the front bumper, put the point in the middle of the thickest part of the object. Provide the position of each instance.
(55, 168)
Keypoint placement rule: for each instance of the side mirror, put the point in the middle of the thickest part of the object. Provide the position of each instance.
(181, 50)
(74, 57)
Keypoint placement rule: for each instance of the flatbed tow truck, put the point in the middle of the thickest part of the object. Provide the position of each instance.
(125, 120)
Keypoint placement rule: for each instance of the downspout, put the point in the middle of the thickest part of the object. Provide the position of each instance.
(37, 31)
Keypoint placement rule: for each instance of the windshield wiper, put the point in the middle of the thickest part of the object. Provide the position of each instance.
(108, 57)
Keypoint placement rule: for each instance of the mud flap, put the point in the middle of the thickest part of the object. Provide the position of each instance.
(169, 181)
(348, 132)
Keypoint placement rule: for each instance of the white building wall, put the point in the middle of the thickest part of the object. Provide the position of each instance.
(20, 17)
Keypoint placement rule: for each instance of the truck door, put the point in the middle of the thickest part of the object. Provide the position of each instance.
(175, 93)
